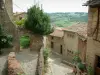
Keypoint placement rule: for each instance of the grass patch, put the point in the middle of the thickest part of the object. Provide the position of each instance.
(24, 41)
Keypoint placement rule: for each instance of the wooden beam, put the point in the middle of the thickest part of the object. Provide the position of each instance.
(96, 30)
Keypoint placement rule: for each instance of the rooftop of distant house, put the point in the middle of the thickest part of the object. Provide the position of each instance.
(93, 3)
(58, 32)
(80, 28)
(19, 13)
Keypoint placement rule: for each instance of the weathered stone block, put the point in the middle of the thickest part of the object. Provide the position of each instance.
(14, 66)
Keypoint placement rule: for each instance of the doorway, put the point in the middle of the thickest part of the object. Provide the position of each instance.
(61, 50)
(97, 65)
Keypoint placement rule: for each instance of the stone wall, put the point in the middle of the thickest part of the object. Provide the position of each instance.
(8, 25)
(57, 43)
(93, 46)
(36, 41)
(70, 45)
(82, 46)
(40, 63)
(14, 66)
(9, 7)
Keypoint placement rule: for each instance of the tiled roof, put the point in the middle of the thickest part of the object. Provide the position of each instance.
(92, 3)
(58, 32)
(19, 13)
(80, 28)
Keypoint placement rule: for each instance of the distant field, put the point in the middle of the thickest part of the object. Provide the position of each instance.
(67, 19)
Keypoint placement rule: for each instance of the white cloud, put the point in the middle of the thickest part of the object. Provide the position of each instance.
(53, 5)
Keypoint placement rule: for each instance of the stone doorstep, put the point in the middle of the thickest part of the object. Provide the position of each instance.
(67, 63)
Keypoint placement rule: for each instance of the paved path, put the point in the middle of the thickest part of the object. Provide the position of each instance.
(3, 64)
(56, 67)
(28, 61)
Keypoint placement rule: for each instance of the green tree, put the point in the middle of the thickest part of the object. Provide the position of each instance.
(37, 21)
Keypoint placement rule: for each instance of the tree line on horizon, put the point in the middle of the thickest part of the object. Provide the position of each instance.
(68, 18)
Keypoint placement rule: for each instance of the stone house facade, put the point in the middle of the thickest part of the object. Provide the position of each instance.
(19, 15)
(75, 41)
(55, 41)
(93, 40)
(66, 41)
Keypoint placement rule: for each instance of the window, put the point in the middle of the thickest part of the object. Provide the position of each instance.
(52, 37)
(70, 35)
(69, 52)
(61, 49)
(98, 64)
(52, 44)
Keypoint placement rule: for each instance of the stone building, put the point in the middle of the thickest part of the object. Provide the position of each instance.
(55, 41)
(9, 7)
(93, 40)
(19, 15)
(75, 40)
(6, 16)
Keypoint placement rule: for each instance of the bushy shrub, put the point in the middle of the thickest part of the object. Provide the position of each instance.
(46, 55)
(10, 37)
(20, 22)
(5, 40)
(81, 66)
(25, 41)
(76, 58)
(37, 21)
(90, 70)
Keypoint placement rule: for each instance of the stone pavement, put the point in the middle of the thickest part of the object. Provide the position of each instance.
(28, 60)
(56, 67)
(3, 64)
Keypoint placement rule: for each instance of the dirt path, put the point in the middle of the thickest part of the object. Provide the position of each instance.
(28, 61)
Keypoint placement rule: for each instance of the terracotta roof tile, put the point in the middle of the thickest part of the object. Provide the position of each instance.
(80, 28)
(92, 3)
(58, 32)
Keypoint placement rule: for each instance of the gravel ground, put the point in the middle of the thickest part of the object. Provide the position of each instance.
(28, 61)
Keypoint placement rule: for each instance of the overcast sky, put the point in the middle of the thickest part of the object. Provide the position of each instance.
(52, 5)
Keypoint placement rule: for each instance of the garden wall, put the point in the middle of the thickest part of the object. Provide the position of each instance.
(36, 41)
(14, 66)
(40, 63)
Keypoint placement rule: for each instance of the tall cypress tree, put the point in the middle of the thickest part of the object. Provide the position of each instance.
(37, 21)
